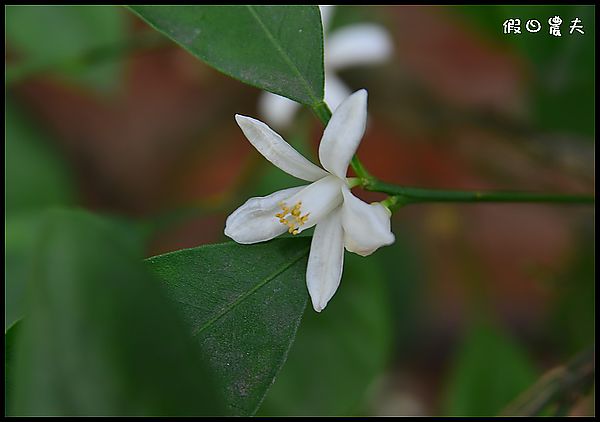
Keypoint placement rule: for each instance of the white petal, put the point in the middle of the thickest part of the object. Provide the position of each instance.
(357, 44)
(255, 221)
(326, 260)
(317, 200)
(326, 13)
(336, 91)
(343, 134)
(366, 226)
(278, 111)
(277, 151)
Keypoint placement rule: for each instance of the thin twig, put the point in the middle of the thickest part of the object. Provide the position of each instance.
(562, 384)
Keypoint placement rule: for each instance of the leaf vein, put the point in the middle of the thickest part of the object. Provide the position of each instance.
(241, 298)
(284, 54)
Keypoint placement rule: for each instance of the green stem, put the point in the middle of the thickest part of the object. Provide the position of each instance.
(401, 195)
(409, 195)
(322, 111)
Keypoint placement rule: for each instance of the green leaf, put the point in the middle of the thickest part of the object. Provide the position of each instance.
(10, 338)
(48, 35)
(100, 337)
(23, 232)
(36, 178)
(243, 304)
(275, 48)
(20, 236)
(339, 352)
(490, 370)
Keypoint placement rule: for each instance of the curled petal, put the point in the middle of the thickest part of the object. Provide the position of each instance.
(326, 260)
(336, 91)
(277, 110)
(343, 133)
(357, 44)
(277, 151)
(366, 226)
(255, 221)
(316, 201)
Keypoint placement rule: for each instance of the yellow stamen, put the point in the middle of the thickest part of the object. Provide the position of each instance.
(295, 219)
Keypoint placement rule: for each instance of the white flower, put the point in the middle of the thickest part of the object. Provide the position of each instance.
(341, 219)
(348, 46)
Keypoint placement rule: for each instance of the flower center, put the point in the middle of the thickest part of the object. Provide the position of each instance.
(291, 217)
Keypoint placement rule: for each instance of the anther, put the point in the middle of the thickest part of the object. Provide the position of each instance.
(295, 219)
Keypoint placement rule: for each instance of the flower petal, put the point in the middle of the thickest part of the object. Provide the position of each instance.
(326, 260)
(343, 134)
(366, 226)
(336, 91)
(278, 111)
(277, 151)
(316, 201)
(326, 13)
(357, 44)
(255, 221)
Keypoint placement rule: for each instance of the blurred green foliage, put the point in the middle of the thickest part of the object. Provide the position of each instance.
(490, 369)
(574, 312)
(406, 287)
(99, 337)
(23, 232)
(562, 84)
(20, 237)
(37, 176)
(59, 36)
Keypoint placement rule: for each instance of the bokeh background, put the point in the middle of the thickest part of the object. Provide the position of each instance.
(470, 306)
